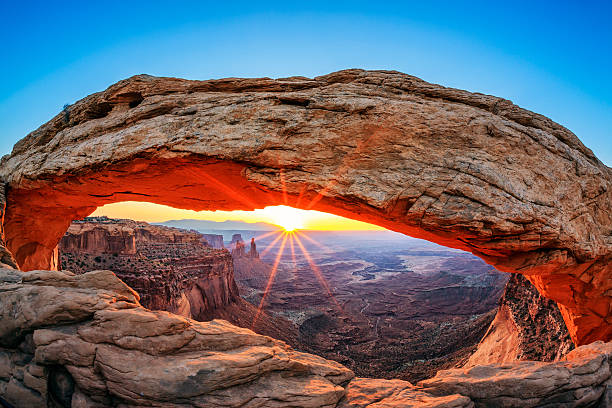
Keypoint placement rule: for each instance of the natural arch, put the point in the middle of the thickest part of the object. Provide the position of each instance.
(464, 170)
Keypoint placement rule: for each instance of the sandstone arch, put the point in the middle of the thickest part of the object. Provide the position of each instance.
(465, 170)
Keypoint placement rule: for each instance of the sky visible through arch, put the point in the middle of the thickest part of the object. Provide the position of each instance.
(282, 216)
(551, 57)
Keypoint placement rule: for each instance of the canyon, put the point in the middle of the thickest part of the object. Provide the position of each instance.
(464, 170)
(383, 305)
(171, 269)
(440, 313)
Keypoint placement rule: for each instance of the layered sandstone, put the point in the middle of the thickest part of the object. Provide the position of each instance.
(214, 240)
(85, 341)
(465, 170)
(171, 269)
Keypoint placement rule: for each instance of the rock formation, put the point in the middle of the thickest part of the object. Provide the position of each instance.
(465, 170)
(214, 240)
(580, 379)
(171, 269)
(6, 257)
(84, 341)
(238, 248)
(527, 327)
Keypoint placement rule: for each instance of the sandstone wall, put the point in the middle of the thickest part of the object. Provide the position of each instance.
(98, 240)
(6, 257)
(215, 241)
(171, 269)
(527, 326)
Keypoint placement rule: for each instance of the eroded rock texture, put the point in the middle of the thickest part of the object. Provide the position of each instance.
(171, 269)
(6, 257)
(116, 352)
(527, 326)
(85, 341)
(581, 379)
(465, 170)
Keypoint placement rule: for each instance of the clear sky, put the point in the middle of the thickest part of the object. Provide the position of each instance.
(552, 57)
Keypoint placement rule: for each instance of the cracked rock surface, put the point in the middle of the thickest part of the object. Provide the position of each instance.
(85, 341)
(465, 170)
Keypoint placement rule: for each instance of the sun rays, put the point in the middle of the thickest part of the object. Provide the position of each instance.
(291, 215)
(290, 220)
(293, 238)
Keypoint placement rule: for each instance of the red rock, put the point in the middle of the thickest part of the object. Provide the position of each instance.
(465, 170)
(171, 269)
(527, 327)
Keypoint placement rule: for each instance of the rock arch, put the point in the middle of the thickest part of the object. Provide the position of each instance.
(465, 170)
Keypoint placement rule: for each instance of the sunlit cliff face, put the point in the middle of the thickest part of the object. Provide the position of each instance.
(289, 219)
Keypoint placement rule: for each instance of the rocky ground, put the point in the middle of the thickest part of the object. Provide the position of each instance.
(84, 341)
(397, 308)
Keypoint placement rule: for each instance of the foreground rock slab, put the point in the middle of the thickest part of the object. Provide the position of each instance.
(366, 392)
(114, 352)
(85, 341)
(580, 379)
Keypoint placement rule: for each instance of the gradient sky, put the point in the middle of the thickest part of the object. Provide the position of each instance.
(283, 216)
(554, 58)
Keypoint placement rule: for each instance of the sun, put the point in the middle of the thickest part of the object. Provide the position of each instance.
(288, 218)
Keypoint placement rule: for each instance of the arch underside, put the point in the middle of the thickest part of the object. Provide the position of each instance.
(464, 170)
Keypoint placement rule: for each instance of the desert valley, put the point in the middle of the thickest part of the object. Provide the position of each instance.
(383, 304)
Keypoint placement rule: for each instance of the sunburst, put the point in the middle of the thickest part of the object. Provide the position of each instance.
(290, 220)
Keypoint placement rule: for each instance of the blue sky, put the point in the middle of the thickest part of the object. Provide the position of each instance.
(554, 58)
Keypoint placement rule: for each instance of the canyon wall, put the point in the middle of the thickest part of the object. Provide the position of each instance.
(6, 258)
(527, 326)
(214, 240)
(170, 268)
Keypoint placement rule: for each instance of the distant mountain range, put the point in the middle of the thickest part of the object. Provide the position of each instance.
(205, 226)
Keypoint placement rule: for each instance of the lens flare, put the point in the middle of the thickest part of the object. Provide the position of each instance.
(270, 280)
(287, 218)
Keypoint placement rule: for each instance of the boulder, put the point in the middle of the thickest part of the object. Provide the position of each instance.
(579, 380)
